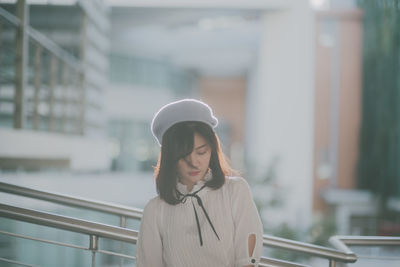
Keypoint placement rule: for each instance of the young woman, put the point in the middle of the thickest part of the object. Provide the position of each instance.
(201, 217)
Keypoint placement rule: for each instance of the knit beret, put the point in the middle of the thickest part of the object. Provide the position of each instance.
(179, 111)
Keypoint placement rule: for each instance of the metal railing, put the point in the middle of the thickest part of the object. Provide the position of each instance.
(332, 255)
(342, 243)
(93, 230)
(123, 212)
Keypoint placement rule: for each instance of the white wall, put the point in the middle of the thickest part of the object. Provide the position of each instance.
(280, 109)
(84, 154)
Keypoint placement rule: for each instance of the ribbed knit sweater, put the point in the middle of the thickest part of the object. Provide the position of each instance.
(169, 234)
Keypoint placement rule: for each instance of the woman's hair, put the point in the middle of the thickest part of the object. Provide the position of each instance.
(177, 143)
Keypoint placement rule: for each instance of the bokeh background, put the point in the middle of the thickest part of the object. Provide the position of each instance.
(306, 92)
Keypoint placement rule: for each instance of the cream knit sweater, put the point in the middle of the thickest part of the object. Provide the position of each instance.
(169, 235)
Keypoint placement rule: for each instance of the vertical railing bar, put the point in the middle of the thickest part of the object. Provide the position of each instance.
(53, 82)
(122, 223)
(37, 80)
(94, 246)
(21, 57)
(332, 263)
(93, 259)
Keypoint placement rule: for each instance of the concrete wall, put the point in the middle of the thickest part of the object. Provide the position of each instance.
(280, 99)
(79, 153)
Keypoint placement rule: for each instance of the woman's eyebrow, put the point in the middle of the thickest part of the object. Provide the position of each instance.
(201, 146)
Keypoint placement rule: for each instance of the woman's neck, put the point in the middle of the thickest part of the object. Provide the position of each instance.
(189, 186)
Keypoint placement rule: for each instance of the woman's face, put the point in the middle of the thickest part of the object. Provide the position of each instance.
(194, 166)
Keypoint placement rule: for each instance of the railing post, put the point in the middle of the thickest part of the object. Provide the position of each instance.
(332, 263)
(21, 62)
(122, 223)
(94, 246)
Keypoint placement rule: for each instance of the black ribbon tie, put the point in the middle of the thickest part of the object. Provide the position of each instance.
(183, 200)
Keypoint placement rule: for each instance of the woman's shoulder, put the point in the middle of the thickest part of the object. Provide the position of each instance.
(152, 205)
(235, 183)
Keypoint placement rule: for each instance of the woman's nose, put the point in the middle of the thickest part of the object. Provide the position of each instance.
(193, 160)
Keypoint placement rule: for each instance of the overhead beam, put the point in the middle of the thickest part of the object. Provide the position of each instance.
(239, 4)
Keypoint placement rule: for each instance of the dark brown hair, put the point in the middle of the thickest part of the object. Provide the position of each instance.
(177, 143)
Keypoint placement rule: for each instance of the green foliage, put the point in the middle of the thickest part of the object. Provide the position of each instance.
(285, 231)
(378, 166)
(270, 196)
(322, 229)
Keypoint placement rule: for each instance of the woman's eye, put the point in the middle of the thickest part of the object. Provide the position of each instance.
(202, 152)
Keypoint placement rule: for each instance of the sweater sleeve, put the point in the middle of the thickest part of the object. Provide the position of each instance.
(149, 246)
(247, 223)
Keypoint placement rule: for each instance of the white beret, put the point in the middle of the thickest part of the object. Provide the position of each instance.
(179, 111)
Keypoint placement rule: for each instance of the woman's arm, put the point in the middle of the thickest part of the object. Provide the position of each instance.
(252, 244)
(149, 245)
(248, 227)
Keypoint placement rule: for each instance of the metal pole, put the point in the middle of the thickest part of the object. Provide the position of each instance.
(94, 246)
(21, 63)
(332, 263)
(37, 83)
(122, 223)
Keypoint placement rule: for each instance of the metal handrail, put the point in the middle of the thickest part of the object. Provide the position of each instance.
(128, 212)
(366, 240)
(342, 242)
(120, 210)
(68, 223)
(94, 230)
(346, 256)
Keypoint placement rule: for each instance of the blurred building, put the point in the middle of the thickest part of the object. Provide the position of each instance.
(283, 77)
(54, 65)
(337, 113)
(231, 55)
(341, 56)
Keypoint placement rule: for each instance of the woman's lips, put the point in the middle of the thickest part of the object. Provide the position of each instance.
(194, 173)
